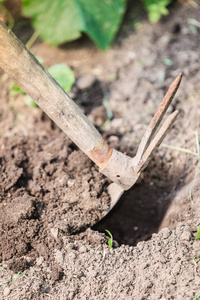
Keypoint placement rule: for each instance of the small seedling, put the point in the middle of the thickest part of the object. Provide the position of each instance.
(110, 241)
(198, 233)
(102, 290)
(168, 240)
(167, 61)
(156, 9)
(10, 281)
(194, 259)
(194, 25)
(197, 296)
(197, 255)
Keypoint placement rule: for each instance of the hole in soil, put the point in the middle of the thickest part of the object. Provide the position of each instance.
(138, 214)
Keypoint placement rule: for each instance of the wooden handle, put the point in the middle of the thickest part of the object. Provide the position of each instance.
(21, 65)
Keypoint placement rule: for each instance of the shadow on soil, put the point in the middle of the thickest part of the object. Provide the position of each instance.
(139, 212)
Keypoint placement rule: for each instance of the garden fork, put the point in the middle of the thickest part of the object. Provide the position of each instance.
(33, 78)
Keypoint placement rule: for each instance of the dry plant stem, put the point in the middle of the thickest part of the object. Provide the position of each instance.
(179, 149)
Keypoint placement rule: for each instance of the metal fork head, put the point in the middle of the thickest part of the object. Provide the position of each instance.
(151, 141)
(124, 170)
(130, 168)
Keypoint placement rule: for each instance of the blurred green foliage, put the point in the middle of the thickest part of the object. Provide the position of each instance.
(64, 20)
(156, 8)
(61, 73)
(198, 233)
(61, 21)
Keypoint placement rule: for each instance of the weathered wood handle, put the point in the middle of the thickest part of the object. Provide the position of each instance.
(21, 65)
(32, 77)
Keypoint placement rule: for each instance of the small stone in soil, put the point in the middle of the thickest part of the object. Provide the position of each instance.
(85, 81)
(6, 291)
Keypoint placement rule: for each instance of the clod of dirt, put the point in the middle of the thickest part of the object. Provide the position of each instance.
(18, 209)
(57, 273)
(18, 264)
(10, 173)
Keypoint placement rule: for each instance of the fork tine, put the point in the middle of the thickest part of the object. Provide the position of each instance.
(156, 142)
(157, 118)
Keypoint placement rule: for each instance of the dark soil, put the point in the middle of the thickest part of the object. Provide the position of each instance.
(52, 197)
(46, 187)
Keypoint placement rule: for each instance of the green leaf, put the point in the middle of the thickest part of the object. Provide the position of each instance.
(30, 102)
(101, 19)
(110, 241)
(63, 75)
(156, 8)
(65, 20)
(57, 21)
(198, 233)
(15, 90)
(197, 296)
(167, 61)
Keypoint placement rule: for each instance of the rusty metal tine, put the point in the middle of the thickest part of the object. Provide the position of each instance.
(156, 142)
(157, 118)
